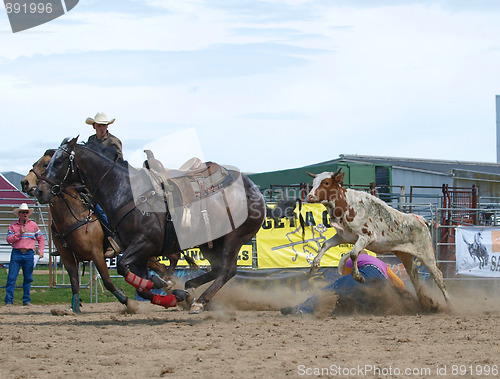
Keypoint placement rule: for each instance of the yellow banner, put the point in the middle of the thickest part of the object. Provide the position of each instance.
(280, 245)
(244, 257)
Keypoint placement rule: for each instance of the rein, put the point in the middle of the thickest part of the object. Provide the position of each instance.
(56, 188)
(105, 174)
(73, 227)
(73, 211)
(102, 177)
(127, 208)
(79, 221)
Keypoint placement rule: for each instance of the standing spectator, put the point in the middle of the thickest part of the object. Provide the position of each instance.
(22, 235)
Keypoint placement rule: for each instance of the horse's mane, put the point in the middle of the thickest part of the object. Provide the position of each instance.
(50, 152)
(109, 152)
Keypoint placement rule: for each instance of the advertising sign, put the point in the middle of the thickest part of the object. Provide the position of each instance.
(478, 251)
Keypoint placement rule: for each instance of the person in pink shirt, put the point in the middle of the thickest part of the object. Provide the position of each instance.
(23, 236)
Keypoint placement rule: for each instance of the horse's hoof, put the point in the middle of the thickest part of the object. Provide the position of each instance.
(132, 307)
(196, 308)
(180, 295)
(169, 284)
(186, 304)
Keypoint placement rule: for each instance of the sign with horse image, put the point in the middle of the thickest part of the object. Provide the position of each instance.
(478, 251)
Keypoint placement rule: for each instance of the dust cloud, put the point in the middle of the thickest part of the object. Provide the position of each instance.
(467, 298)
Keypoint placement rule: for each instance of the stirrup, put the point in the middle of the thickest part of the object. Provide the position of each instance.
(110, 253)
(114, 245)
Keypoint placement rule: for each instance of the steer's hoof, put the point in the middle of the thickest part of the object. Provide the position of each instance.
(313, 270)
(196, 308)
(360, 278)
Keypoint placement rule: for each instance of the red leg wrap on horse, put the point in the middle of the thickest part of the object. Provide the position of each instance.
(164, 300)
(142, 285)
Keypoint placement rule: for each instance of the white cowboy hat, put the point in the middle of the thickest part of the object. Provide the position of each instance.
(100, 118)
(23, 207)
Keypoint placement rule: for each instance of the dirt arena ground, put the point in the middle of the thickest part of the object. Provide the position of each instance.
(245, 336)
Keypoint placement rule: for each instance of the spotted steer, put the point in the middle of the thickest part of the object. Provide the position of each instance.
(367, 222)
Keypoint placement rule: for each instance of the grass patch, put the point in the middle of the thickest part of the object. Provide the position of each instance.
(60, 293)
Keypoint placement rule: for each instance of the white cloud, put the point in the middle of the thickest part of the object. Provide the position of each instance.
(173, 149)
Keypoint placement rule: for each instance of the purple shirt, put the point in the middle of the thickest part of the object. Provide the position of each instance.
(365, 259)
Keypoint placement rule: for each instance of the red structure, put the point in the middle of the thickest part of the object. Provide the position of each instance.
(10, 195)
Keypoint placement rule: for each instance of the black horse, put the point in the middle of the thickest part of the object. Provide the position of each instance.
(147, 227)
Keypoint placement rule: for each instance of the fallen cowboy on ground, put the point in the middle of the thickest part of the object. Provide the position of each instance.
(382, 292)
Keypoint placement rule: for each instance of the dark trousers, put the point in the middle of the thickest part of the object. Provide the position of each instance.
(19, 260)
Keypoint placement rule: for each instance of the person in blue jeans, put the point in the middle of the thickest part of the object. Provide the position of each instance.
(346, 287)
(23, 236)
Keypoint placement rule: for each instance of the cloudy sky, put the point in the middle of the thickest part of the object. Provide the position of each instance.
(262, 85)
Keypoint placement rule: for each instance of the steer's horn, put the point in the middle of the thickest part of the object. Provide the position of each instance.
(311, 175)
(337, 172)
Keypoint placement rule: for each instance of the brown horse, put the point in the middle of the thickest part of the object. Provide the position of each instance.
(148, 232)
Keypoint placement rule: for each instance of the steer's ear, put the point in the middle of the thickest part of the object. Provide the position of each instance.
(340, 178)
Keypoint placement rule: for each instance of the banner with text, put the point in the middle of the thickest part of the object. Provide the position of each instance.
(244, 257)
(478, 251)
(280, 245)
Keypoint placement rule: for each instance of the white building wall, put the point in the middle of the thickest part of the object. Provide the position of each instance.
(410, 177)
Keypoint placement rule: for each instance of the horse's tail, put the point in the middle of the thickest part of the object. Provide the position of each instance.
(190, 261)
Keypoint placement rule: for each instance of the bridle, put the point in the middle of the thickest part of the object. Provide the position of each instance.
(58, 188)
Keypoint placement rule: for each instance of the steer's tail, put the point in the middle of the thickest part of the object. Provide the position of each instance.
(342, 262)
